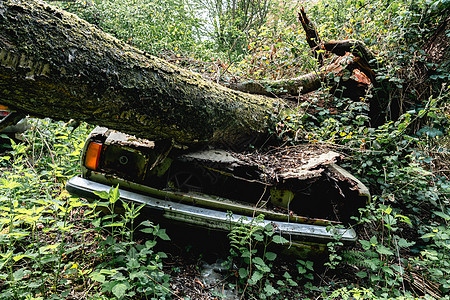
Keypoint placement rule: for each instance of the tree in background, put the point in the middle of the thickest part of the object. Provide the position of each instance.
(232, 20)
(160, 27)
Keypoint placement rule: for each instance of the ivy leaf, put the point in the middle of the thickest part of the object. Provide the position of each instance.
(287, 275)
(301, 270)
(430, 132)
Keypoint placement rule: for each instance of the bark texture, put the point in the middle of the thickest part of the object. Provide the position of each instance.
(312, 36)
(293, 86)
(54, 64)
(303, 84)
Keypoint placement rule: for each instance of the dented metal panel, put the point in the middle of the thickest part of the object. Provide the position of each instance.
(215, 219)
(206, 201)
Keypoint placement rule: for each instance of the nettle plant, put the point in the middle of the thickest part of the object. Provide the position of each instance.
(378, 259)
(39, 244)
(435, 258)
(53, 246)
(250, 253)
(128, 268)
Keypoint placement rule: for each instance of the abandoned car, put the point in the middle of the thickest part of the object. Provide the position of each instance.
(299, 190)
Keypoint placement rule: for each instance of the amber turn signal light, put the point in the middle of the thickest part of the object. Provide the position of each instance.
(93, 155)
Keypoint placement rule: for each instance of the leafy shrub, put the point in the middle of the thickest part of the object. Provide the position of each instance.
(249, 251)
(53, 246)
(128, 268)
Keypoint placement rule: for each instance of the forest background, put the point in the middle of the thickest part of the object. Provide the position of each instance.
(54, 246)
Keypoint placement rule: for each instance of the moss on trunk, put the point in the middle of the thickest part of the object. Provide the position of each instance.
(54, 64)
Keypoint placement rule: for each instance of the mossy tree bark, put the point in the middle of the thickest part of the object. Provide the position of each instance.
(54, 64)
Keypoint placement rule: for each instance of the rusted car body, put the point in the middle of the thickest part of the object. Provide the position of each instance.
(299, 190)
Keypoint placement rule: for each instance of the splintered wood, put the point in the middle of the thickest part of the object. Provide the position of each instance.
(299, 162)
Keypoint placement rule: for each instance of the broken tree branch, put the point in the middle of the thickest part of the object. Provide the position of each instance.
(355, 47)
(312, 36)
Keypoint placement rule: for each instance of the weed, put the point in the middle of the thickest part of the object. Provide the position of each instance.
(53, 246)
(128, 268)
(250, 252)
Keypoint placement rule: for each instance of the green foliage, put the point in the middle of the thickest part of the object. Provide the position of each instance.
(435, 259)
(394, 160)
(128, 269)
(334, 257)
(276, 49)
(379, 260)
(403, 162)
(159, 27)
(250, 252)
(38, 219)
(355, 293)
(52, 246)
(235, 19)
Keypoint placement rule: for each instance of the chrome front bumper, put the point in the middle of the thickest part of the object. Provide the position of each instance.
(213, 219)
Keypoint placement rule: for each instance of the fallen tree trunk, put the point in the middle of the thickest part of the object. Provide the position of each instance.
(56, 65)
